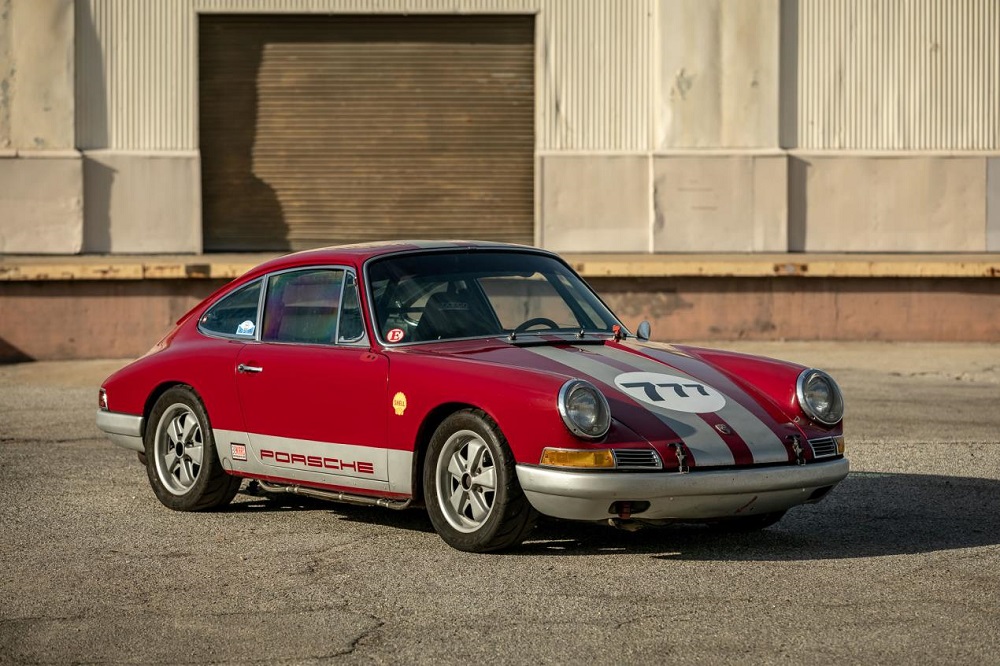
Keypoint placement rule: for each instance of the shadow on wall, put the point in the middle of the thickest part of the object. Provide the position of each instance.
(240, 212)
(11, 354)
(798, 204)
(92, 131)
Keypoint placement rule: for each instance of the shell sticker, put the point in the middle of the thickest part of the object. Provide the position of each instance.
(679, 394)
(399, 403)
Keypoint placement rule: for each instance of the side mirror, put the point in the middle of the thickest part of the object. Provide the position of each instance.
(643, 331)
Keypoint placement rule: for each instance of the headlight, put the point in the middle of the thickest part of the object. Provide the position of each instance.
(820, 397)
(584, 409)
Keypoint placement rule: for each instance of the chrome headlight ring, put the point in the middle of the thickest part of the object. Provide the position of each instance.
(820, 397)
(584, 409)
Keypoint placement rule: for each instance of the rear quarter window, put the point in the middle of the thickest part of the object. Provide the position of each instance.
(235, 315)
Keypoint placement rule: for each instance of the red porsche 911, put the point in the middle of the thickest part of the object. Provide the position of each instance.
(486, 382)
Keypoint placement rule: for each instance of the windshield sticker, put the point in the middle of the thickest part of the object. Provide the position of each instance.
(399, 403)
(246, 328)
(679, 394)
(395, 335)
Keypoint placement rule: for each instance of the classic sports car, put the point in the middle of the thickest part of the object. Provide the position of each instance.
(485, 381)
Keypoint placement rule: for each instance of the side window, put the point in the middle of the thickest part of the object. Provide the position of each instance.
(303, 306)
(235, 315)
(352, 326)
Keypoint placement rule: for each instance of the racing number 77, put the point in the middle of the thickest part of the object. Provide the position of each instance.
(653, 394)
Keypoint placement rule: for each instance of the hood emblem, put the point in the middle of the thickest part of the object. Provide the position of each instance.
(723, 428)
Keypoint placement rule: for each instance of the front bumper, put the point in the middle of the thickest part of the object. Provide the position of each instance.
(697, 495)
(122, 429)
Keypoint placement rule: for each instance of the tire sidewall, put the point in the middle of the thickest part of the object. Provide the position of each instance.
(191, 499)
(481, 539)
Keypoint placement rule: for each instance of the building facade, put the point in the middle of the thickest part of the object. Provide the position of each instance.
(746, 161)
(648, 126)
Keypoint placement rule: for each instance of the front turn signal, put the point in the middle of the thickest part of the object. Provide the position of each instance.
(578, 458)
(840, 444)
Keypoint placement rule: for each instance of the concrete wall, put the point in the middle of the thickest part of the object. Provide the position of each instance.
(70, 319)
(888, 204)
(142, 202)
(718, 74)
(41, 175)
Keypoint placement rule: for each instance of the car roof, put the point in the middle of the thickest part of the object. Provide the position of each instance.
(355, 255)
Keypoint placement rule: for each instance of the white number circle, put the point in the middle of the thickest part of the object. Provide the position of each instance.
(671, 392)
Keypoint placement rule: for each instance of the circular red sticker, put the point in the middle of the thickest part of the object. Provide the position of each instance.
(395, 335)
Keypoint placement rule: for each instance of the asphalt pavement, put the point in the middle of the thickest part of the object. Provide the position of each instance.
(899, 565)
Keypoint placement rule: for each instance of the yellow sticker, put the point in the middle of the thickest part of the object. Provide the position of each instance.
(399, 403)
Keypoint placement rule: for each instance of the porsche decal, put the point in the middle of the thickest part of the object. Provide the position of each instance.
(679, 394)
(323, 462)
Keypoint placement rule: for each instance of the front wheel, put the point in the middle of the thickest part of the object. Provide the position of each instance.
(181, 462)
(470, 485)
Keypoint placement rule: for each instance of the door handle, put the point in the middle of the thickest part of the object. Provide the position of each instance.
(249, 368)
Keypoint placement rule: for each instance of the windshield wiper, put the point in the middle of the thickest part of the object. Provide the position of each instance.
(532, 339)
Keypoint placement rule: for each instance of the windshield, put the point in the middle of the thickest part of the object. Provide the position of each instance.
(451, 295)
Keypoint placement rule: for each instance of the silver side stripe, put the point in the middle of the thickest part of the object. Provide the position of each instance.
(346, 465)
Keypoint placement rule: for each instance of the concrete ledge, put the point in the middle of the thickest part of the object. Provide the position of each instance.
(229, 266)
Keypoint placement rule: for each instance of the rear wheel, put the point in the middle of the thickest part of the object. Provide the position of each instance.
(470, 485)
(181, 462)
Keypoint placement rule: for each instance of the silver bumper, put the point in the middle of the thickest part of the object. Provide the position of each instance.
(122, 429)
(693, 496)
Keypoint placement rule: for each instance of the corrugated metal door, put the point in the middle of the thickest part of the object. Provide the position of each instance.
(321, 130)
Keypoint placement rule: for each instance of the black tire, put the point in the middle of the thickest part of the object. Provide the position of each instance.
(487, 519)
(751, 523)
(181, 461)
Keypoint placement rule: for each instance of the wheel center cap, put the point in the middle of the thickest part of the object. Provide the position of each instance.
(466, 481)
(179, 449)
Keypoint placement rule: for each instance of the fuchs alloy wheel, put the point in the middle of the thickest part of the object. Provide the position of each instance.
(470, 485)
(181, 461)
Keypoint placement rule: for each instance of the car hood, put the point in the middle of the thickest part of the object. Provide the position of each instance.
(665, 394)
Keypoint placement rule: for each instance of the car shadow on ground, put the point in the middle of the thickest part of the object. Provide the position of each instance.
(869, 514)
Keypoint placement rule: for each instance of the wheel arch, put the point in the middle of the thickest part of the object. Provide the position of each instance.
(434, 418)
(155, 394)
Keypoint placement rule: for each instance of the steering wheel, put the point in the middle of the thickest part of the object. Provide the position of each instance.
(536, 321)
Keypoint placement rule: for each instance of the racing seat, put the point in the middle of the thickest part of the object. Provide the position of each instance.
(454, 315)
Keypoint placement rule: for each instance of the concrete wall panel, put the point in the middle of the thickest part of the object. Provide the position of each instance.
(722, 203)
(596, 203)
(993, 204)
(142, 203)
(36, 74)
(718, 74)
(886, 204)
(41, 208)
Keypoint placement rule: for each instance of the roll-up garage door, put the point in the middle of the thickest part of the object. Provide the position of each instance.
(319, 130)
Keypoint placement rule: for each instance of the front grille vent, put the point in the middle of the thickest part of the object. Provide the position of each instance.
(824, 447)
(637, 459)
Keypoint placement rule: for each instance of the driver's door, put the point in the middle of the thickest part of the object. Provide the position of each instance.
(313, 394)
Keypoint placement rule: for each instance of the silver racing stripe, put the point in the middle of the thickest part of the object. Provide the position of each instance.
(765, 446)
(708, 447)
